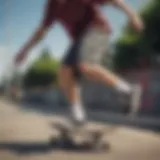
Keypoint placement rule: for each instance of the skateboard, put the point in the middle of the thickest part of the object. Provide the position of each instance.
(81, 137)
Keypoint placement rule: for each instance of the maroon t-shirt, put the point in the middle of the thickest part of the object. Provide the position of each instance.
(75, 15)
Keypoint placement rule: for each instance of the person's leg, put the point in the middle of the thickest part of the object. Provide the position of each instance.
(93, 46)
(98, 73)
(71, 90)
(70, 86)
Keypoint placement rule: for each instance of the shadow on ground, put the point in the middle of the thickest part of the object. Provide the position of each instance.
(27, 148)
(43, 147)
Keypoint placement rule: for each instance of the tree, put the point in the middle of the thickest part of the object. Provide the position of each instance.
(43, 71)
(131, 48)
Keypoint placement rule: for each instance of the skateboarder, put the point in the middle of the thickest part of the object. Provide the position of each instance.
(89, 31)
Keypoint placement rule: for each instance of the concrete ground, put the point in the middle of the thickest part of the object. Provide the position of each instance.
(24, 136)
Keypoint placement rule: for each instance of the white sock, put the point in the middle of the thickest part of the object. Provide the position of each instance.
(123, 86)
(78, 112)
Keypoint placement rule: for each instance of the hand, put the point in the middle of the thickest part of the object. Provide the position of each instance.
(137, 24)
(20, 57)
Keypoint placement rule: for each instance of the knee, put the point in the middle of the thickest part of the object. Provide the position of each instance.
(84, 67)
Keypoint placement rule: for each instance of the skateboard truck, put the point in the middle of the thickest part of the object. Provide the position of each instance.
(65, 140)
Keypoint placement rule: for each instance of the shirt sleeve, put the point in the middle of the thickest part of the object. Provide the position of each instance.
(50, 13)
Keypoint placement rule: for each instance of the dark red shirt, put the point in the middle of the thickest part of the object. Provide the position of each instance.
(75, 15)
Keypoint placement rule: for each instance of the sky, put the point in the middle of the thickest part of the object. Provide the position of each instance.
(19, 19)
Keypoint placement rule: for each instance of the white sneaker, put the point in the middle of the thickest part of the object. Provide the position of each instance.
(78, 115)
(135, 101)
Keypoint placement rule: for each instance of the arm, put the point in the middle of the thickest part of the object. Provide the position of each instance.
(133, 17)
(49, 17)
(35, 38)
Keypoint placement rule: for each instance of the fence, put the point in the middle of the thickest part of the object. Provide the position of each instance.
(102, 98)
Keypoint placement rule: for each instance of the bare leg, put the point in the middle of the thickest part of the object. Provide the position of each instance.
(68, 84)
(70, 88)
(98, 73)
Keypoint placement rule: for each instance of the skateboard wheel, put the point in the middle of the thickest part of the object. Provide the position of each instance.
(102, 146)
(105, 146)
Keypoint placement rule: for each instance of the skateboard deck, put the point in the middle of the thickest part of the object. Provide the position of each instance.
(81, 136)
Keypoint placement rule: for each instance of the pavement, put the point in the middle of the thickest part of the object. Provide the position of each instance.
(24, 135)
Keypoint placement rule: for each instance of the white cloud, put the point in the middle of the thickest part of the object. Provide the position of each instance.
(3, 49)
(5, 54)
(5, 59)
